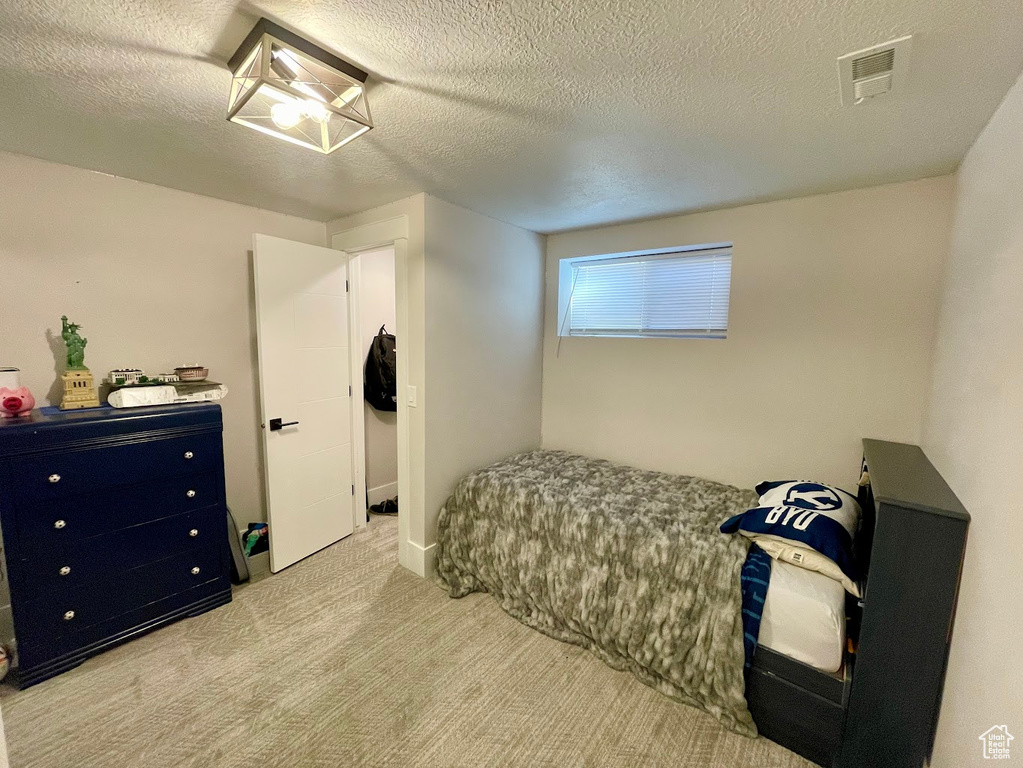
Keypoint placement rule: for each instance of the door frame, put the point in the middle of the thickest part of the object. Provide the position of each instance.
(387, 233)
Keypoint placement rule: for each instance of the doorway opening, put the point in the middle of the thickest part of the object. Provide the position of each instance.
(390, 235)
(374, 313)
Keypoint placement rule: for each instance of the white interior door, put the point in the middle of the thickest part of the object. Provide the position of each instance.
(305, 379)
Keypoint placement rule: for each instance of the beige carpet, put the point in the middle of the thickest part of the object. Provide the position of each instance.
(346, 659)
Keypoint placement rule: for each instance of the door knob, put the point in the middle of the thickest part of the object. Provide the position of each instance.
(276, 424)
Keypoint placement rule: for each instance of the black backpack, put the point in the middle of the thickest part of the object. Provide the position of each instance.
(381, 380)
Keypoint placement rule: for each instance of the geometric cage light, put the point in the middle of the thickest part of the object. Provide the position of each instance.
(290, 88)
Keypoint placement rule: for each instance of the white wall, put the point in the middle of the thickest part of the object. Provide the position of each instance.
(974, 435)
(157, 277)
(484, 326)
(833, 307)
(376, 308)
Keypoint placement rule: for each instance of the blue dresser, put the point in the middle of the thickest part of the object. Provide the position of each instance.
(114, 523)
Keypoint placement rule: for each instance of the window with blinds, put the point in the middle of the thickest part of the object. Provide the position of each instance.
(682, 294)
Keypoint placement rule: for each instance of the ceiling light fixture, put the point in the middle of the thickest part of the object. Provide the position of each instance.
(290, 88)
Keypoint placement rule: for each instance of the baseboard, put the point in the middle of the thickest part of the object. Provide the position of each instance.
(383, 492)
(422, 561)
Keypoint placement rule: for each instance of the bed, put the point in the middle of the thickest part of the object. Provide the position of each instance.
(630, 565)
(626, 563)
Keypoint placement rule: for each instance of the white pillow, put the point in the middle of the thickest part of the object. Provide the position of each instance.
(805, 557)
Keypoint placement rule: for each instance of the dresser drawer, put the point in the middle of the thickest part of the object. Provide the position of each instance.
(63, 569)
(56, 615)
(44, 526)
(48, 477)
(43, 657)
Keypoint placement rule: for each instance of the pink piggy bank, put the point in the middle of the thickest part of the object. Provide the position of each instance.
(15, 402)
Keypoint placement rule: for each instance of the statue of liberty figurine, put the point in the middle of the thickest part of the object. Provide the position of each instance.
(79, 390)
(75, 345)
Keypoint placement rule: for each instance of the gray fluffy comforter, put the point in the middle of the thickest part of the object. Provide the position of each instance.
(626, 563)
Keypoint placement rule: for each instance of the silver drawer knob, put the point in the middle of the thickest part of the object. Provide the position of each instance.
(54, 478)
(189, 454)
(194, 532)
(65, 570)
(190, 494)
(69, 615)
(195, 571)
(59, 524)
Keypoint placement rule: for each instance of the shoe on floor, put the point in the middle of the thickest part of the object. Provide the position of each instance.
(388, 507)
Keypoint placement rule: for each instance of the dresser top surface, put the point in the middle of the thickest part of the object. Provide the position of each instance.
(41, 426)
(51, 415)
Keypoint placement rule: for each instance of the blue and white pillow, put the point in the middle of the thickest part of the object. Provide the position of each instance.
(816, 497)
(807, 524)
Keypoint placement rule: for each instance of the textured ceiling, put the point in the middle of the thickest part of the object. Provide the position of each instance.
(549, 114)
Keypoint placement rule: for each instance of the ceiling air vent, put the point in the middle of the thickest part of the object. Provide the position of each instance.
(874, 71)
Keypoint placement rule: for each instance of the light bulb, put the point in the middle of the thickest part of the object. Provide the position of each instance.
(286, 114)
(316, 111)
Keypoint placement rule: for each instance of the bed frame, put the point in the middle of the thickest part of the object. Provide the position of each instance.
(881, 709)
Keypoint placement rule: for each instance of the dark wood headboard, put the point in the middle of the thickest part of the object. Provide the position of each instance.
(881, 710)
(913, 538)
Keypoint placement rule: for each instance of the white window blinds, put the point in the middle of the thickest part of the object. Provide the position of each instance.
(682, 294)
